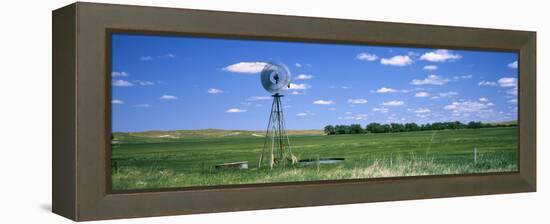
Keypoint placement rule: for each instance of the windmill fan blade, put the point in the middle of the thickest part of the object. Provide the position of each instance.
(275, 77)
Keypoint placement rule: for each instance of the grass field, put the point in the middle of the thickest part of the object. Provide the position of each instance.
(163, 159)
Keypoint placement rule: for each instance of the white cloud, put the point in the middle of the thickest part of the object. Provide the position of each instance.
(513, 65)
(386, 90)
(367, 57)
(358, 101)
(304, 77)
(502, 82)
(298, 65)
(214, 91)
(117, 102)
(398, 60)
(168, 97)
(302, 114)
(323, 102)
(150, 58)
(430, 80)
(235, 110)
(422, 110)
(513, 101)
(257, 98)
(121, 83)
(393, 103)
(246, 67)
(422, 94)
(507, 82)
(142, 105)
(296, 93)
(144, 83)
(119, 74)
(456, 77)
(465, 107)
(355, 117)
(513, 91)
(440, 55)
(303, 86)
(447, 94)
(483, 99)
(380, 109)
(430, 67)
(487, 83)
(422, 115)
(146, 58)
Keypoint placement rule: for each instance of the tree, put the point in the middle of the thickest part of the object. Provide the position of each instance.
(356, 129)
(329, 130)
(342, 129)
(374, 128)
(459, 125)
(395, 127)
(475, 124)
(386, 128)
(437, 126)
(411, 127)
(426, 127)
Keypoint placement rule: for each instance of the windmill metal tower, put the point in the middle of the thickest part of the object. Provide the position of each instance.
(276, 149)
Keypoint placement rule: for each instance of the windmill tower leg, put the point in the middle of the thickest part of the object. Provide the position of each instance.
(284, 139)
(264, 148)
(280, 151)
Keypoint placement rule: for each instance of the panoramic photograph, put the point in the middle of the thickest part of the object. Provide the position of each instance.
(197, 111)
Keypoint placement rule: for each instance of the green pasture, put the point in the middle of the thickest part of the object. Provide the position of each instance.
(164, 159)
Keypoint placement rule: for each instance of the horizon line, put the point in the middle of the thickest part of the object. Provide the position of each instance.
(307, 129)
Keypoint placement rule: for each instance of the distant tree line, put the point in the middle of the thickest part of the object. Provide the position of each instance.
(396, 127)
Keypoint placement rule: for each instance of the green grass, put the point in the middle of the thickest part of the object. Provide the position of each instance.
(159, 159)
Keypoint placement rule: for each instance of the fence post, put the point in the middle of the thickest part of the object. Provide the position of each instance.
(475, 155)
(318, 164)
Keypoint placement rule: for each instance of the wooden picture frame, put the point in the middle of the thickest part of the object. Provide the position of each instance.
(81, 111)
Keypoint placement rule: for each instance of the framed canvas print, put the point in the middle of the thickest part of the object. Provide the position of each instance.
(202, 111)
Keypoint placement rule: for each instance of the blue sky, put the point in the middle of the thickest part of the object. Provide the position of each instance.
(177, 83)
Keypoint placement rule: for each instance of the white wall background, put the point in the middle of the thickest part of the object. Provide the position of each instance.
(25, 111)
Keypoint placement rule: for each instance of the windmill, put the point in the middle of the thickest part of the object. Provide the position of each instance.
(276, 150)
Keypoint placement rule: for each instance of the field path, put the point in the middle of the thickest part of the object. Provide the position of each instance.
(431, 140)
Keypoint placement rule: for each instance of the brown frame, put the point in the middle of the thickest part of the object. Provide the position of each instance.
(81, 113)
